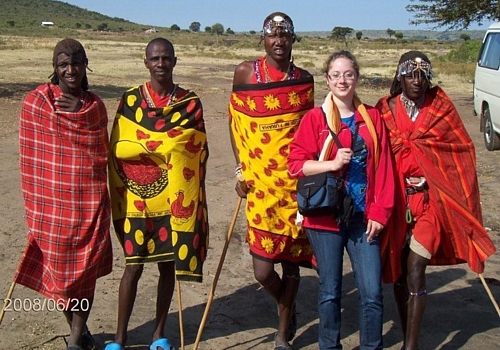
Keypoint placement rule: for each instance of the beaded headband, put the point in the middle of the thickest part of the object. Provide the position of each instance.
(412, 65)
(278, 21)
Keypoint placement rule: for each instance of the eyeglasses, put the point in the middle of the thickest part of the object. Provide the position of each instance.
(349, 75)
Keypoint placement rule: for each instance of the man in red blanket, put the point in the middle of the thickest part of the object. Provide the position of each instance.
(63, 158)
(437, 218)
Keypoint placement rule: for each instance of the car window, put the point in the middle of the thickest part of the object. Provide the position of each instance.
(489, 56)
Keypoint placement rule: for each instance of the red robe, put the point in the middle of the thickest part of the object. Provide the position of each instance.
(63, 162)
(438, 147)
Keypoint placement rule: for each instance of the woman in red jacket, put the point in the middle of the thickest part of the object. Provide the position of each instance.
(364, 161)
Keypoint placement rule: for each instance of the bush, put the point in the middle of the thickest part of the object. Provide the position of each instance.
(466, 53)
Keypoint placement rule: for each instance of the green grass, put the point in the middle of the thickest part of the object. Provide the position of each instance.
(24, 17)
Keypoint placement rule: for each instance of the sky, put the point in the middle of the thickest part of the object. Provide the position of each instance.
(243, 16)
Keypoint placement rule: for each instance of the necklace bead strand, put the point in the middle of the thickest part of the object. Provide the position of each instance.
(172, 97)
(289, 75)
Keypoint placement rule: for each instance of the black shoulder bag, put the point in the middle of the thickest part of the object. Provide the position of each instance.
(324, 193)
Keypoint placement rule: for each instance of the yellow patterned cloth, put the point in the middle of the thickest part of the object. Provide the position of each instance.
(264, 118)
(157, 182)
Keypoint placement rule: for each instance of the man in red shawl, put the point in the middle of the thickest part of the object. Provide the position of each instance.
(63, 158)
(437, 217)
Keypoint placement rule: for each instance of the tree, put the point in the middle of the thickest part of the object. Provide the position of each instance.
(11, 23)
(175, 27)
(87, 26)
(359, 35)
(465, 37)
(253, 32)
(195, 26)
(341, 33)
(78, 25)
(208, 29)
(390, 32)
(458, 14)
(102, 27)
(229, 31)
(398, 35)
(218, 29)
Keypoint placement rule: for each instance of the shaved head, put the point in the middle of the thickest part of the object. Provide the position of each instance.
(160, 41)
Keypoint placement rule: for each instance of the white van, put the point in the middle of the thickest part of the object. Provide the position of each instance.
(487, 87)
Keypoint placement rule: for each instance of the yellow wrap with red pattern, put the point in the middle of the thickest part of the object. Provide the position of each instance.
(264, 118)
(157, 182)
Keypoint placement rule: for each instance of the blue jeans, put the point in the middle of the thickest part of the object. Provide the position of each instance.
(366, 263)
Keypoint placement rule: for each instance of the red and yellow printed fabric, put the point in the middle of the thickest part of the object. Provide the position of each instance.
(157, 182)
(264, 118)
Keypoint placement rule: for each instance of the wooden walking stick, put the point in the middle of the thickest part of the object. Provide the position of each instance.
(489, 293)
(181, 322)
(217, 273)
(6, 300)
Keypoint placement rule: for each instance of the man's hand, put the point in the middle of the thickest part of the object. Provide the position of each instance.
(68, 103)
(242, 188)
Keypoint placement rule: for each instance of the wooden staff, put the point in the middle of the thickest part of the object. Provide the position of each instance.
(217, 273)
(6, 300)
(181, 322)
(489, 294)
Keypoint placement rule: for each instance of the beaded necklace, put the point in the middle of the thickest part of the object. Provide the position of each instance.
(172, 96)
(290, 74)
(82, 96)
(412, 107)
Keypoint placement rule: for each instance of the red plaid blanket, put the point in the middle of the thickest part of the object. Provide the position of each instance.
(63, 161)
(445, 154)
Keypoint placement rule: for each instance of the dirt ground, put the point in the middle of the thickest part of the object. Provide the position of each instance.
(460, 314)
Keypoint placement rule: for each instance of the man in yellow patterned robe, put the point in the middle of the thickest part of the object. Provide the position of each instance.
(269, 97)
(157, 185)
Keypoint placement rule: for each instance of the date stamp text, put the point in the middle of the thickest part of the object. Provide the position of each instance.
(45, 304)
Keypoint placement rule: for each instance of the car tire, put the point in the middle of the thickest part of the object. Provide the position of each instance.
(491, 138)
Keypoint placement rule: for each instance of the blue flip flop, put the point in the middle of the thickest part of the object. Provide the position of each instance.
(160, 344)
(114, 346)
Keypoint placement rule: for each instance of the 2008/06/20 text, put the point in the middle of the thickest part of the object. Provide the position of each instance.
(45, 304)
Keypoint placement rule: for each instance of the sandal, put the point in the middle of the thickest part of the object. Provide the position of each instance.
(281, 347)
(114, 346)
(160, 344)
(87, 342)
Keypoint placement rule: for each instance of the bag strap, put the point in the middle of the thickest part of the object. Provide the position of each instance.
(354, 137)
(336, 138)
(337, 141)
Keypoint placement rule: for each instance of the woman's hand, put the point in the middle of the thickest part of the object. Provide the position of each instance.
(242, 188)
(373, 228)
(68, 103)
(342, 158)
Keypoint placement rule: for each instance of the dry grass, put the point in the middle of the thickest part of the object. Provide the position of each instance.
(119, 64)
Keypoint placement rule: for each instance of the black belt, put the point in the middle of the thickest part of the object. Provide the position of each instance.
(418, 189)
(414, 189)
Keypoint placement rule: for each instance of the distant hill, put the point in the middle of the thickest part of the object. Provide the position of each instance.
(439, 35)
(28, 15)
